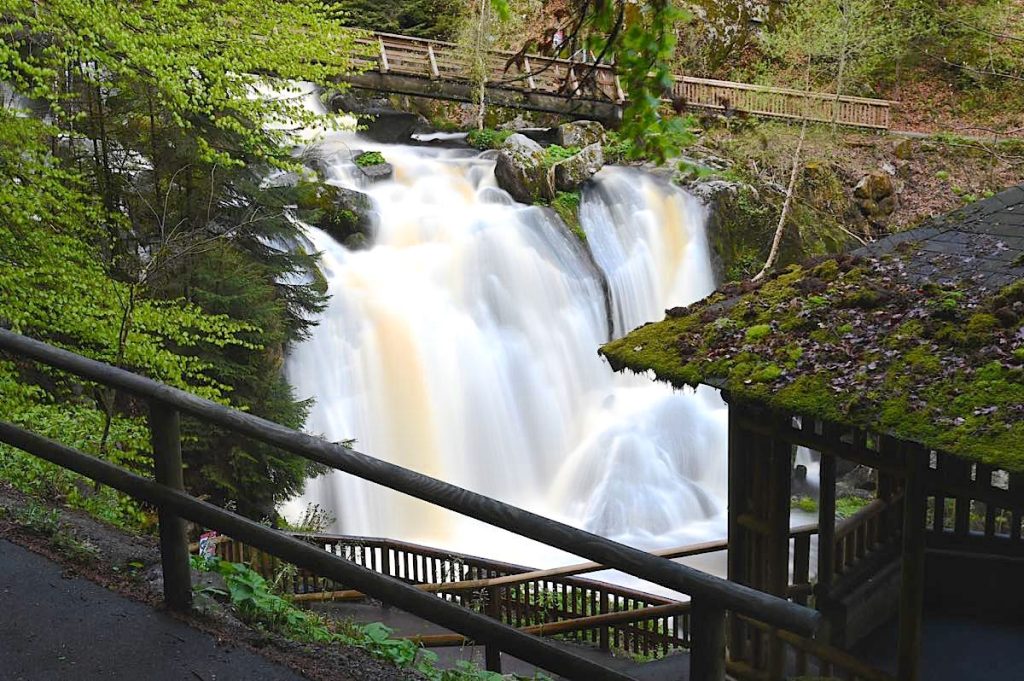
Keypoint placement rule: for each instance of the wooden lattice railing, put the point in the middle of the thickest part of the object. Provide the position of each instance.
(435, 60)
(658, 625)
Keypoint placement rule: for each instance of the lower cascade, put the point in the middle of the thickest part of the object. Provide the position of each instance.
(463, 344)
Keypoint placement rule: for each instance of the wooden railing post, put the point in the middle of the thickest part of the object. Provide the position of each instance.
(912, 567)
(165, 429)
(492, 653)
(707, 641)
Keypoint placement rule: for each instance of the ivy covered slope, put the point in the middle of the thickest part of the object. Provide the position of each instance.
(920, 336)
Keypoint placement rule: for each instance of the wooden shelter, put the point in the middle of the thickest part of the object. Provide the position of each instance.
(907, 358)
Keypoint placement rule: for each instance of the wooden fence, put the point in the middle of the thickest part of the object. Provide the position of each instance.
(534, 601)
(555, 602)
(711, 597)
(775, 102)
(575, 80)
(973, 507)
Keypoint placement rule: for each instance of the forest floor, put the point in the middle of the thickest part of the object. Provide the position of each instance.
(83, 575)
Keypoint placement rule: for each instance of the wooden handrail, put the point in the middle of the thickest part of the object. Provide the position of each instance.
(519, 578)
(563, 626)
(404, 56)
(835, 656)
(711, 595)
(473, 625)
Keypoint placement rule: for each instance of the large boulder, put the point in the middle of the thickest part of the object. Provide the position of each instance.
(875, 186)
(579, 134)
(346, 214)
(578, 168)
(520, 170)
(875, 196)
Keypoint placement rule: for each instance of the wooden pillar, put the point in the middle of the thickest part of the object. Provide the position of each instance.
(826, 527)
(492, 653)
(912, 581)
(707, 642)
(739, 476)
(165, 429)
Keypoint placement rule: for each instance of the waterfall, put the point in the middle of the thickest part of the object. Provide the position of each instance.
(463, 344)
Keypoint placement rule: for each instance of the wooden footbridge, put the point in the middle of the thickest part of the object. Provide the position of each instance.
(580, 87)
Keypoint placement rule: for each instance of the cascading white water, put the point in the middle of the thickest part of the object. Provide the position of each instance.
(463, 344)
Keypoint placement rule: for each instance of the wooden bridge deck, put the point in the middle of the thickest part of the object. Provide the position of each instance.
(441, 70)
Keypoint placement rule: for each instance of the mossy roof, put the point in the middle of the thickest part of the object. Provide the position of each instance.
(920, 336)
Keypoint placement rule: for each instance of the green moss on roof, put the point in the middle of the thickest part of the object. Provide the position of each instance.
(860, 342)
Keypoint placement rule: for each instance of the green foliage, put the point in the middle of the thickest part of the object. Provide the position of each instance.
(253, 598)
(135, 228)
(369, 158)
(435, 19)
(567, 205)
(198, 63)
(832, 37)
(643, 40)
(488, 138)
(555, 154)
(805, 504)
(44, 522)
(848, 506)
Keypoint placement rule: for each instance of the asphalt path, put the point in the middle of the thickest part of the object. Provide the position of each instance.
(57, 628)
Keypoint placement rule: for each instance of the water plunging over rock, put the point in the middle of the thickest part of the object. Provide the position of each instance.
(463, 344)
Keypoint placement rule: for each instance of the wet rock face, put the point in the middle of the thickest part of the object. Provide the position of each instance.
(378, 172)
(579, 134)
(578, 168)
(520, 170)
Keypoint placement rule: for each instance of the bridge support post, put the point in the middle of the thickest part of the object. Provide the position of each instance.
(707, 641)
(165, 428)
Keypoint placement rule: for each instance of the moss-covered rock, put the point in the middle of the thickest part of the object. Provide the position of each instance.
(570, 173)
(521, 170)
(579, 134)
(744, 215)
(347, 215)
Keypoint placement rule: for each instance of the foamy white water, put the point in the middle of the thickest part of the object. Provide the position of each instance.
(463, 345)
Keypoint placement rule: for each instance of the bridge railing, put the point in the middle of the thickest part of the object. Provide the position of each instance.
(776, 102)
(710, 596)
(438, 60)
(586, 80)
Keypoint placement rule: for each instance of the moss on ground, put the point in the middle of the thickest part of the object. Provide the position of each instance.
(854, 341)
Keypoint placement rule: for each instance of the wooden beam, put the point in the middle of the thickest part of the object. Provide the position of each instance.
(912, 579)
(521, 577)
(707, 642)
(529, 74)
(434, 72)
(563, 626)
(826, 529)
(165, 430)
(384, 67)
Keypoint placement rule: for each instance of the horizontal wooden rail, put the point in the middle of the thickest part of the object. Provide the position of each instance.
(565, 571)
(396, 56)
(716, 592)
(563, 626)
(850, 666)
(474, 626)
